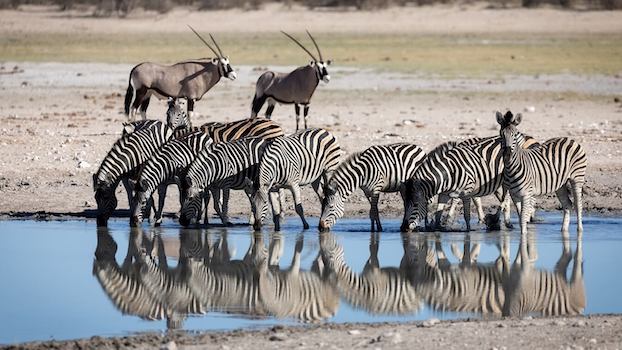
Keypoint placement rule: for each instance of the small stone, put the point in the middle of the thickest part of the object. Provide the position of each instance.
(616, 99)
(530, 109)
(501, 325)
(593, 341)
(431, 322)
(560, 323)
(278, 337)
(354, 332)
(169, 346)
(83, 164)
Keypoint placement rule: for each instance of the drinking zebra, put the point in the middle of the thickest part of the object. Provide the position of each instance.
(139, 142)
(165, 167)
(306, 157)
(374, 170)
(470, 169)
(552, 167)
(224, 165)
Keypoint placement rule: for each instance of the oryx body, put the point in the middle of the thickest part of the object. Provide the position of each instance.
(295, 87)
(189, 79)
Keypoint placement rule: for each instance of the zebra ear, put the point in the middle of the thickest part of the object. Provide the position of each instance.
(128, 128)
(500, 118)
(517, 119)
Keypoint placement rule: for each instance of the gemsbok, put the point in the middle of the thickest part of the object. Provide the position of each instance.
(189, 79)
(295, 87)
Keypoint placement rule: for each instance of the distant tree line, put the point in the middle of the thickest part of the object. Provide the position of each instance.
(123, 7)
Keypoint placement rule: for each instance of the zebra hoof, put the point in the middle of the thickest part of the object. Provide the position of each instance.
(509, 225)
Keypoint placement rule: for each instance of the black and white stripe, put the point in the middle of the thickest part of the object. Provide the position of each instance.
(306, 157)
(378, 169)
(552, 167)
(165, 167)
(224, 165)
(125, 156)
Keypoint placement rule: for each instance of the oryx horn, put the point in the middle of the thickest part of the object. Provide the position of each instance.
(316, 47)
(204, 42)
(299, 44)
(215, 43)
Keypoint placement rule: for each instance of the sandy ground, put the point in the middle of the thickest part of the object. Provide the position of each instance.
(596, 332)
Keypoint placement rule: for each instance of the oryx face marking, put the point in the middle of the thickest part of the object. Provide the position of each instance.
(322, 71)
(228, 72)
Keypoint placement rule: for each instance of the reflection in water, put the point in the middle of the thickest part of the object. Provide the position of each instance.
(207, 279)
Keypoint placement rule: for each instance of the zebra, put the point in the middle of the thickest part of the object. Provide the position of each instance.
(377, 169)
(189, 79)
(296, 87)
(165, 167)
(470, 169)
(305, 157)
(122, 163)
(386, 290)
(549, 293)
(224, 165)
(549, 168)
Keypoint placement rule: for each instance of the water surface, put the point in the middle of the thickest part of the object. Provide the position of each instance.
(67, 279)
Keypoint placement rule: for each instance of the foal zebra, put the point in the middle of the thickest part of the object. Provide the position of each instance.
(306, 157)
(546, 169)
(224, 165)
(123, 160)
(471, 169)
(374, 170)
(169, 163)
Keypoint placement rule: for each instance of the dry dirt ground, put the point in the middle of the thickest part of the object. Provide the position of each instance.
(60, 119)
(596, 332)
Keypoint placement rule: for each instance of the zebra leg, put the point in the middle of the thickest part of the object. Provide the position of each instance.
(206, 199)
(466, 207)
(451, 213)
(477, 201)
(217, 206)
(295, 265)
(161, 197)
(564, 199)
(505, 200)
(297, 109)
(298, 205)
(577, 193)
(249, 194)
(275, 202)
(440, 206)
(190, 109)
(373, 212)
(225, 206)
(525, 213)
(143, 107)
(305, 114)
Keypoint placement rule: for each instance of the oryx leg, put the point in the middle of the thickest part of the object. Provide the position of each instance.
(138, 100)
(143, 107)
(257, 104)
(306, 113)
(190, 108)
(297, 110)
(295, 188)
(270, 109)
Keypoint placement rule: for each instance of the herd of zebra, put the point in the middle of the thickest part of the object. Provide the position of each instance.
(254, 155)
(207, 279)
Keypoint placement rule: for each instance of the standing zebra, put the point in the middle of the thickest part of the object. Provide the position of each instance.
(549, 168)
(470, 169)
(224, 165)
(374, 170)
(162, 169)
(123, 160)
(306, 157)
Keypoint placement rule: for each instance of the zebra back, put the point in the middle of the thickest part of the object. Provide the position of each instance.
(222, 132)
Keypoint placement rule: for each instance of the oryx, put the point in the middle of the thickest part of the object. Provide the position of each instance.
(190, 80)
(295, 87)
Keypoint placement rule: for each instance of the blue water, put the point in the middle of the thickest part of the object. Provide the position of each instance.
(49, 289)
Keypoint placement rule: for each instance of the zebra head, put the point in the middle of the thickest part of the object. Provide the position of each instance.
(221, 61)
(332, 207)
(260, 199)
(510, 136)
(176, 116)
(319, 64)
(104, 197)
(191, 207)
(415, 205)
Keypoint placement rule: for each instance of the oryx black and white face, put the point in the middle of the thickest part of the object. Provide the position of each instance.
(322, 71)
(225, 68)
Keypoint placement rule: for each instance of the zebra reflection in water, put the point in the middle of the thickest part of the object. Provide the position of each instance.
(207, 279)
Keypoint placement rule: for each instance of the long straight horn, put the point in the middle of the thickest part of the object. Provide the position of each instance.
(203, 40)
(316, 47)
(215, 43)
(299, 44)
